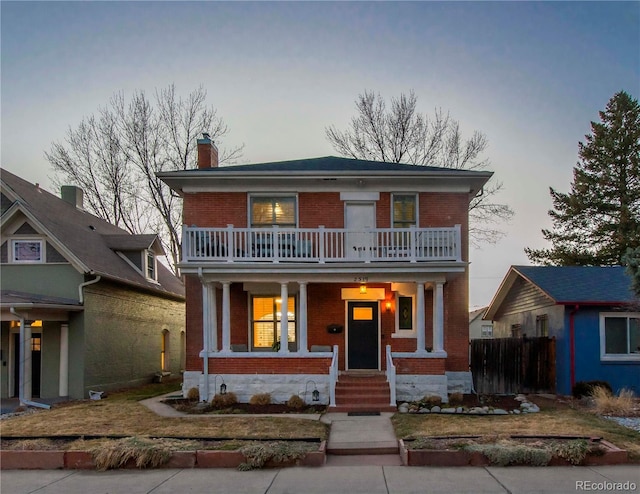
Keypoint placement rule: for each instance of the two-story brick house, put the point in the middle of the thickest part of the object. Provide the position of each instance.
(370, 259)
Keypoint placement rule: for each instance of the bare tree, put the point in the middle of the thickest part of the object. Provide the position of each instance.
(401, 134)
(115, 155)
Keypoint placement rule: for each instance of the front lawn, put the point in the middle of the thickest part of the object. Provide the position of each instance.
(553, 419)
(121, 414)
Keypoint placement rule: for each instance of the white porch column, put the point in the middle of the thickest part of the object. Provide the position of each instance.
(26, 368)
(63, 389)
(226, 316)
(438, 317)
(284, 318)
(420, 318)
(206, 320)
(213, 317)
(302, 318)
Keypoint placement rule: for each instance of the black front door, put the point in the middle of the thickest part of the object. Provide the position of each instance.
(363, 335)
(36, 364)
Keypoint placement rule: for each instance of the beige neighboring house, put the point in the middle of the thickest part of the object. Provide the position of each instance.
(85, 306)
(479, 328)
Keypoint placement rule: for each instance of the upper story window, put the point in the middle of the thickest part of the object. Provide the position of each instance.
(404, 210)
(620, 336)
(151, 265)
(27, 250)
(487, 331)
(273, 210)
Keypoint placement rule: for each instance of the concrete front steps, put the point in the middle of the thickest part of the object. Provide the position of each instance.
(362, 392)
(361, 432)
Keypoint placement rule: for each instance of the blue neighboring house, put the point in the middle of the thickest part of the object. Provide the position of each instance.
(591, 311)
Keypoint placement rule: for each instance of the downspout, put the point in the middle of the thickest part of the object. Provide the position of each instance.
(21, 397)
(205, 341)
(572, 345)
(86, 283)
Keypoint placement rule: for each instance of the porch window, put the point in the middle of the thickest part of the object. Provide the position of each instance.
(273, 210)
(266, 317)
(620, 336)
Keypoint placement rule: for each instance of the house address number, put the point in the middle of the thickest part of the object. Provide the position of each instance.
(361, 279)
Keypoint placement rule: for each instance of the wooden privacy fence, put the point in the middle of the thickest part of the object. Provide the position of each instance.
(514, 365)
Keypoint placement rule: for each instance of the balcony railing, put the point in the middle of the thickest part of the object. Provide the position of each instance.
(320, 245)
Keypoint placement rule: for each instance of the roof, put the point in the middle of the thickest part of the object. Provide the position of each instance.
(86, 241)
(475, 314)
(326, 164)
(567, 285)
(327, 169)
(13, 298)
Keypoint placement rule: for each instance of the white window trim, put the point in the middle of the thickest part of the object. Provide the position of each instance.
(619, 357)
(417, 196)
(43, 253)
(146, 265)
(271, 195)
(405, 333)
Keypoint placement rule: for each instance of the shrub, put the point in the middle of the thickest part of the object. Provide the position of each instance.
(507, 453)
(573, 451)
(456, 399)
(280, 452)
(224, 401)
(431, 400)
(608, 404)
(585, 388)
(295, 402)
(260, 399)
(145, 453)
(193, 394)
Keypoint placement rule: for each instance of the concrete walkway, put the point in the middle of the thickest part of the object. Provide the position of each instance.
(328, 480)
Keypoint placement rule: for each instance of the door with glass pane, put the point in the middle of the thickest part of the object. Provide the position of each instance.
(363, 348)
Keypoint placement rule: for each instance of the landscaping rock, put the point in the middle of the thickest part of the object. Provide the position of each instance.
(404, 408)
(424, 410)
(448, 410)
(459, 410)
(435, 409)
(500, 411)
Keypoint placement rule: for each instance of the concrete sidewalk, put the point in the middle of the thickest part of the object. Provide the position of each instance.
(328, 480)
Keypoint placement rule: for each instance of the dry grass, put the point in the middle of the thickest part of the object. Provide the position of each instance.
(551, 420)
(608, 404)
(121, 414)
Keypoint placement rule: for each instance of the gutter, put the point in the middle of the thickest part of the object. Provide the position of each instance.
(572, 345)
(21, 370)
(86, 283)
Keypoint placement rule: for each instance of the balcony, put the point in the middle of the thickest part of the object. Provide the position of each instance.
(320, 245)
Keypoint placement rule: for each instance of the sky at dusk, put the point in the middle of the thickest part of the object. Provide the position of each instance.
(530, 75)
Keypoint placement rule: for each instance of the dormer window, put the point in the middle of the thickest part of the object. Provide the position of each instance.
(151, 265)
(27, 251)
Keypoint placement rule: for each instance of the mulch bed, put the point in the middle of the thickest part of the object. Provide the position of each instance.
(193, 407)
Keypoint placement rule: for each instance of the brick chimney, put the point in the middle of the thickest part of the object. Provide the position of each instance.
(207, 152)
(73, 195)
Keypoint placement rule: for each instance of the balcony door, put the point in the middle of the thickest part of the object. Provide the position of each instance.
(359, 217)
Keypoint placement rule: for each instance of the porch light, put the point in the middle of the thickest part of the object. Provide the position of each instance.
(387, 306)
(223, 386)
(363, 288)
(315, 394)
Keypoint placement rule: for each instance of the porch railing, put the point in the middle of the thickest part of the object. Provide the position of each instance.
(320, 244)
(391, 377)
(333, 377)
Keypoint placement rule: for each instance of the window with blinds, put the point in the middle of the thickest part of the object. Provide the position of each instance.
(270, 211)
(404, 210)
(266, 318)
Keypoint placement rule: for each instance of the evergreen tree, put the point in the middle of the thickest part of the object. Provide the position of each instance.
(599, 219)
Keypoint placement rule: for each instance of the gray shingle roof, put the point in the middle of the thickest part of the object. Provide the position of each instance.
(84, 234)
(581, 284)
(329, 164)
